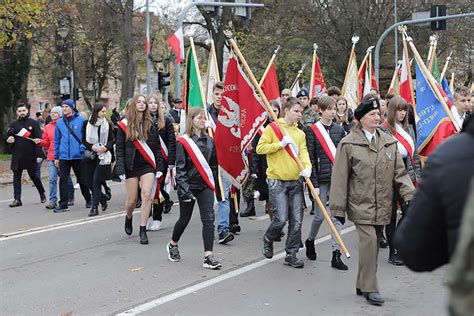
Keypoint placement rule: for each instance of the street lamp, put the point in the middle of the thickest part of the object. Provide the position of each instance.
(65, 33)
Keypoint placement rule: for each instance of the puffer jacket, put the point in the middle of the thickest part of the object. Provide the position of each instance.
(365, 176)
(66, 146)
(188, 177)
(322, 166)
(125, 151)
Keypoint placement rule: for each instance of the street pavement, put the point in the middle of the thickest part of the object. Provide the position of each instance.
(59, 263)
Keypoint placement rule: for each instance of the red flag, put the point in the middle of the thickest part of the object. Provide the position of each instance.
(319, 87)
(406, 85)
(176, 42)
(373, 81)
(240, 117)
(270, 84)
(361, 79)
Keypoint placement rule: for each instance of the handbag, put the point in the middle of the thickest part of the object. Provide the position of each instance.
(87, 155)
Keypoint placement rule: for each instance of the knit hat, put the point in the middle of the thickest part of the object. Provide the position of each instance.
(70, 103)
(57, 109)
(365, 107)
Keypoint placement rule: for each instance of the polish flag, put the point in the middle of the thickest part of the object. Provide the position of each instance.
(406, 87)
(24, 133)
(176, 42)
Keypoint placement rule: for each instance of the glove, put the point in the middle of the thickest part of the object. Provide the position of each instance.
(159, 174)
(285, 141)
(306, 173)
(341, 219)
(122, 177)
(253, 175)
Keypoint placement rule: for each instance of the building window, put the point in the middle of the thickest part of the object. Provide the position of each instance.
(117, 85)
(40, 84)
(42, 106)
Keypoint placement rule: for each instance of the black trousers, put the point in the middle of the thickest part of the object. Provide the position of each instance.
(64, 170)
(17, 182)
(95, 185)
(205, 200)
(234, 214)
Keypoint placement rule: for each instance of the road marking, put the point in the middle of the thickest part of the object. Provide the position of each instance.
(194, 288)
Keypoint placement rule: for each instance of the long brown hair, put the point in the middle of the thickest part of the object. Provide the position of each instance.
(137, 129)
(192, 113)
(159, 113)
(345, 117)
(395, 104)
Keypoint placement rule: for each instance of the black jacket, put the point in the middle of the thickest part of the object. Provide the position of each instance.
(213, 112)
(25, 151)
(428, 234)
(321, 165)
(188, 177)
(169, 138)
(259, 167)
(125, 151)
(175, 114)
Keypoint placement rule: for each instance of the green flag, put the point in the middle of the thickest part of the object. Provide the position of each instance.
(435, 69)
(193, 92)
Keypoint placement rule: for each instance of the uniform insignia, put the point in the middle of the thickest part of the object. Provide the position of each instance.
(389, 155)
(374, 104)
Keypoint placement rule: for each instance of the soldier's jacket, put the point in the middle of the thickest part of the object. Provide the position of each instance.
(308, 118)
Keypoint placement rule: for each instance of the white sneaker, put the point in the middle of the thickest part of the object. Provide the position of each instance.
(76, 186)
(149, 223)
(156, 225)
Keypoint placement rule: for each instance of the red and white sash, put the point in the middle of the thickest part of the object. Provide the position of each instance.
(405, 139)
(164, 149)
(325, 140)
(293, 152)
(147, 153)
(260, 130)
(198, 160)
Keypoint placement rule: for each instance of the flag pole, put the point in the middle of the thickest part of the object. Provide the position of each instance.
(354, 39)
(451, 83)
(394, 77)
(408, 66)
(311, 82)
(431, 81)
(212, 56)
(209, 129)
(298, 161)
(303, 66)
(269, 65)
(433, 43)
(443, 73)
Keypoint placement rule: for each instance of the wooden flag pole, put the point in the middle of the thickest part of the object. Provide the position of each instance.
(311, 82)
(269, 65)
(354, 39)
(394, 77)
(303, 66)
(408, 65)
(298, 161)
(443, 73)
(203, 98)
(431, 81)
(212, 56)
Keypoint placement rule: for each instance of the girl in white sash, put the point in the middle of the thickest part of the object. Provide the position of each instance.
(397, 126)
(139, 160)
(322, 140)
(196, 169)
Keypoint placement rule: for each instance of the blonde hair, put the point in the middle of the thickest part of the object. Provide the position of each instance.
(192, 113)
(137, 129)
(345, 117)
(159, 113)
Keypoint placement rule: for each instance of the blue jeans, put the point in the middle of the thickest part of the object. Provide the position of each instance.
(223, 209)
(318, 218)
(53, 183)
(287, 198)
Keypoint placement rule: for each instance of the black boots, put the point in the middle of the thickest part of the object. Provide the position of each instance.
(43, 197)
(94, 211)
(383, 242)
(312, 208)
(103, 203)
(310, 250)
(394, 258)
(336, 261)
(128, 225)
(15, 203)
(249, 210)
(143, 236)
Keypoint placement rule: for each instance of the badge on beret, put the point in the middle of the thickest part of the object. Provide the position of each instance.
(374, 103)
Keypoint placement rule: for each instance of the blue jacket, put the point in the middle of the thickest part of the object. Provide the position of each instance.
(66, 147)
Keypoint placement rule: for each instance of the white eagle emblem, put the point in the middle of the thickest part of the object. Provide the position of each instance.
(231, 119)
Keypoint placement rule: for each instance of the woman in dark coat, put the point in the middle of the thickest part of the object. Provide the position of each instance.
(98, 137)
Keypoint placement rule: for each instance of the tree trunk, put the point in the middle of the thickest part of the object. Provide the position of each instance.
(128, 61)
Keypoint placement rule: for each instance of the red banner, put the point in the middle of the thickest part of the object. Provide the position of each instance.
(270, 85)
(319, 88)
(240, 117)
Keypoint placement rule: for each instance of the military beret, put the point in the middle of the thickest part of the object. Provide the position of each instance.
(302, 93)
(365, 107)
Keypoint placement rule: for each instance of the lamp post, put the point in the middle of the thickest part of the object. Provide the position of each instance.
(69, 35)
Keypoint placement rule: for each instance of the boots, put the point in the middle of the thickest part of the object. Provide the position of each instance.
(143, 236)
(128, 225)
(94, 211)
(249, 210)
(312, 208)
(336, 261)
(394, 258)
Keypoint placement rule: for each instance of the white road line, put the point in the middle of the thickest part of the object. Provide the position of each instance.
(194, 288)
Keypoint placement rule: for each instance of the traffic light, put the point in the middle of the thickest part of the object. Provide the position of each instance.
(438, 10)
(163, 79)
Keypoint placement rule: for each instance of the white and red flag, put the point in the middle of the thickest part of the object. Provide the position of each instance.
(176, 41)
(406, 86)
(240, 117)
(24, 133)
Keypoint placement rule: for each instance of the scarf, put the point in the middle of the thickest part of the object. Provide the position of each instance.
(94, 138)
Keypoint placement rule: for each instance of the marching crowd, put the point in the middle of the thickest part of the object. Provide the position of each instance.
(362, 162)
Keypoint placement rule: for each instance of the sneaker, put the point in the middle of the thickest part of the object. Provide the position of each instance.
(155, 225)
(267, 247)
(61, 209)
(149, 222)
(235, 229)
(225, 238)
(173, 252)
(310, 251)
(211, 262)
(292, 261)
(51, 205)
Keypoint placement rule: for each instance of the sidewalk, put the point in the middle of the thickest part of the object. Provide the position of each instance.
(6, 175)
